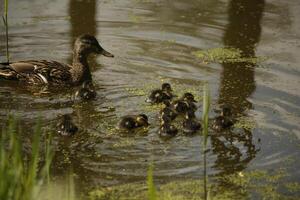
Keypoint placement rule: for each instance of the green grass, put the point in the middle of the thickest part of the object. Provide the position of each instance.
(205, 116)
(151, 186)
(18, 178)
(25, 177)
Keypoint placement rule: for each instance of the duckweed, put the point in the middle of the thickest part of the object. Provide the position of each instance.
(244, 122)
(226, 55)
(293, 187)
(259, 183)
(124, 142)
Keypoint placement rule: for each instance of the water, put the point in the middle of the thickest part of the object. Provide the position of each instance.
(153, 42)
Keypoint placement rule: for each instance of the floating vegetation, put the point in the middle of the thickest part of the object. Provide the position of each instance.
(178, 88)
(124, 142)
(247, 123)
(237, 186)
(137, 91)
(226, 55)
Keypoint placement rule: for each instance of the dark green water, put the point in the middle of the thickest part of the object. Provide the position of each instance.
(153, 42)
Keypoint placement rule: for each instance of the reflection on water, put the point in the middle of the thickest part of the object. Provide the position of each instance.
(82, 17)
(235, 150)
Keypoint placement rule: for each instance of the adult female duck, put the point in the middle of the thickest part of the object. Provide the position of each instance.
(52, 72)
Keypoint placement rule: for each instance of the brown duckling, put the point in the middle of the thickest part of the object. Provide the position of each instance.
(223, 121)
(159, 95)
(130, 122)
(186, 102)
(190, 124)
(168, 111)
(167, 129)
(66, 127)
(87, 91)
(53, 72)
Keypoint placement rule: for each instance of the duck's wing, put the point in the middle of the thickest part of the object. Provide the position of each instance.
(38, 71)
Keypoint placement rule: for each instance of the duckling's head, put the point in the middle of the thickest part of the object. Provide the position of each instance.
(142, 120)
(66, 127)
(87, 91)
(86, 44)
(226, 111)
(189, 97)
(166, 87)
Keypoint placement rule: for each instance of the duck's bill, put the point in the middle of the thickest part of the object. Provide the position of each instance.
(107, 54)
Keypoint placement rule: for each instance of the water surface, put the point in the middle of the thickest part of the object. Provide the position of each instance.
(153, 42)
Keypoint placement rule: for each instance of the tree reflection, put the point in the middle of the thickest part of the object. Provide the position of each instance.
(235, 150)
(83, 21)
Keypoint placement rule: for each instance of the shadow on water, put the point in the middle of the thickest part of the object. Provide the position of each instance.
(83, 21)
(235, 150)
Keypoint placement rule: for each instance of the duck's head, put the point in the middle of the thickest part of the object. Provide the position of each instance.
(189, 97)
(142, 120)
(166, 87)
(87, 44)
(226, 111)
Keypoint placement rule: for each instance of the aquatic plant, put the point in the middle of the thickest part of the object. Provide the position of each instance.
(226, 55)
(206, 105)
(27, 179)
(20, 179)
(150, 183)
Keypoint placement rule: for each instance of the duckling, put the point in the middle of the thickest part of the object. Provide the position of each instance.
(186, 102)
(66, 127)
(130, 122)
(43, 72)
(168, 111)
(190, 124)
(86, 92)
(167, 129)
(159, 95)
(223, 121)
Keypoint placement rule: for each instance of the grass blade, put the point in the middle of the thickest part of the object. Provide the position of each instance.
(150, 183)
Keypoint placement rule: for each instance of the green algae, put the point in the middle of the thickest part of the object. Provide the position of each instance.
(124, 142)
(245, 122)
(178, 89)
(241, 185)
(226, 55)
(293, 187)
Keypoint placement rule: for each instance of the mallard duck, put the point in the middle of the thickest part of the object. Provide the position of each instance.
(53, 72)
(86, 92)
(168, 111)
(167, 129)
(130, 122)
(66, 127)
(159, 95)
(223, 121)
(186, 102)
(190, 124)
